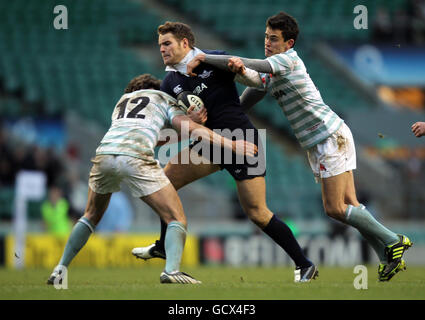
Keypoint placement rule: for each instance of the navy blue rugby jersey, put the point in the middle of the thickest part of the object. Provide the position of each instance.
(217, 90)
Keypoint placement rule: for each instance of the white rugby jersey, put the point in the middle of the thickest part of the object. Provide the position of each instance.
(137, 120)
(310, 118)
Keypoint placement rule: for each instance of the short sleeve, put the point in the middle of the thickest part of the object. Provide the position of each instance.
(265, 79)
(281, 64)
(172, 111)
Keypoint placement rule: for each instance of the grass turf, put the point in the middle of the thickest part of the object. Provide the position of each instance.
(219, 283)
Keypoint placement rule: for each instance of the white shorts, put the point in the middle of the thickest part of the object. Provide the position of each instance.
(334, 155)
(143, 177)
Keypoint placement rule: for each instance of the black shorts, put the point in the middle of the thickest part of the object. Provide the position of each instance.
(240, 167)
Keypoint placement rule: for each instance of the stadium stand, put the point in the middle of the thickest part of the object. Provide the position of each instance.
(48, 72)
(85, 68)
(230, 20)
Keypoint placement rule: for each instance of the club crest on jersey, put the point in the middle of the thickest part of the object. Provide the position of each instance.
(177, 89)
(205, 74)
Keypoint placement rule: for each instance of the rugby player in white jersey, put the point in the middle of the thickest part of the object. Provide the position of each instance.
(320, 131)
(126, 155)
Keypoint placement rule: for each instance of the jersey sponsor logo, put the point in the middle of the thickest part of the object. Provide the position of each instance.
(205, 74)
(315, 126)
(177, 89)
(278, 94)
(200, 88)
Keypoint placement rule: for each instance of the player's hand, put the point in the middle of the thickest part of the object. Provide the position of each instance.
(199, 116)
(244, 148)
(418, 129)
(236, 65)
(194, 63)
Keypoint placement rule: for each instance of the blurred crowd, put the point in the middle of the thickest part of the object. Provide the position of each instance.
(16, 156)
(404, 26)
(66, 191)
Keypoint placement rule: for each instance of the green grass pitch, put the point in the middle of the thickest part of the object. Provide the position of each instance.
(219, 283)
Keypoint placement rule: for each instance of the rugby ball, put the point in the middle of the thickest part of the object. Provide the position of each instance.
(186, 99)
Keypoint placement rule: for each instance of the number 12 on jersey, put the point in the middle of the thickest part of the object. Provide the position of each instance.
(139, 104)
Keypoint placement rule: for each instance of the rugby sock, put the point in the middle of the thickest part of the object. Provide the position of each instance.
(283, 236)
(376, 245)
(361, 219)
(77, 239)
(161, 241)
(175, 239)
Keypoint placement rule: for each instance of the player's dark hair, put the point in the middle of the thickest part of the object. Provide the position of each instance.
(144, 81)
(285, 23)
(179, 30)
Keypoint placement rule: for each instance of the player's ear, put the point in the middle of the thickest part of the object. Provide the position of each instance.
(291, 43)
(185, 43)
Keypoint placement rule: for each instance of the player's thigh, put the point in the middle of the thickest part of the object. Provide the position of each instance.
(333, 193)
(188, 166)
(252, 197)
(166, 203)
(350, 196)
(96, 206)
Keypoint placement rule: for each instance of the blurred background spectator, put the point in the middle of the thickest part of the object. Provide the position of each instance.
(54, 211)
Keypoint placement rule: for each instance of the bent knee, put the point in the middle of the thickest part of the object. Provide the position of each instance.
(175, 215)
(259, 215)
(93, 217)
(335, 211)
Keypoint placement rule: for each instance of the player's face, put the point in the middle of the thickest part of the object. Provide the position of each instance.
(172, 50)
(274, 42)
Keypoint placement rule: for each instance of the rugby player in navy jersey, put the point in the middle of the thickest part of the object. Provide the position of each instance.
(217, 89)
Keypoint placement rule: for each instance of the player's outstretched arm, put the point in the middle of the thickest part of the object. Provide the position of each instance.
(199, 116)
(250, 97)
(221, 61)
(240, 147)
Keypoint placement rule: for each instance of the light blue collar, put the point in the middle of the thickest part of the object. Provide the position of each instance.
(181, 66)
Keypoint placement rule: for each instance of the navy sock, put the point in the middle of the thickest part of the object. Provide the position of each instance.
(161, 242)
(283, 236)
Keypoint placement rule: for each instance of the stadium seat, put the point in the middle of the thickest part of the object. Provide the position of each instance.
(54, 66)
